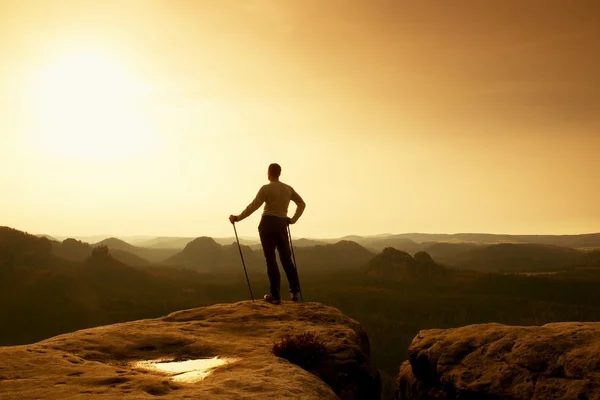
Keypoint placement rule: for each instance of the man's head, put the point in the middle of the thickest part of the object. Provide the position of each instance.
(274, 172)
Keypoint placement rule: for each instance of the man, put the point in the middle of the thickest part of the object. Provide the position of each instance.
(273, 230)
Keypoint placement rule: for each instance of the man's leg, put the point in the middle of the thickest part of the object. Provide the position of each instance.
(269, 242)
(285, 255)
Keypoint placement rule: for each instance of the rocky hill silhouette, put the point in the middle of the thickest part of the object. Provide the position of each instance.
(377, 243)
(204, 253)
(49, 294)
(20, 248)
(179, 243)
(153, 255)
(343, 255)
(76, 250)
(101, 362)
(399, 265)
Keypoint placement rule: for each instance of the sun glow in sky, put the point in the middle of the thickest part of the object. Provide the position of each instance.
(161, 117)
(85, 107)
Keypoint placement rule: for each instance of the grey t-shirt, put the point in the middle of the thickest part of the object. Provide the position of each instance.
(277, 196)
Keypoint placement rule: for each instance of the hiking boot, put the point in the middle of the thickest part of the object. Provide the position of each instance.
(294, 296)
(270, 299)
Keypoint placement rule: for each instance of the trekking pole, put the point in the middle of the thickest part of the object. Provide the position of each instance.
(243, 263)
(295, 265)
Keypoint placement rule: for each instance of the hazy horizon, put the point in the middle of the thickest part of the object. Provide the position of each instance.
(255, 237)
(142, 117)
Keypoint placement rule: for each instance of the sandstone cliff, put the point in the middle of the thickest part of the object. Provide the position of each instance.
(101, 362)
(493, 361)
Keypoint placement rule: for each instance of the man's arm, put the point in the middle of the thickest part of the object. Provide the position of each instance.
(300, 206)
(255, 205)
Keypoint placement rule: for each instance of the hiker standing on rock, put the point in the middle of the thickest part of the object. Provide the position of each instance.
(273, 230)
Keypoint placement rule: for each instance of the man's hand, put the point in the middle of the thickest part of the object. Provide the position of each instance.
(289, 221)
(232, 218)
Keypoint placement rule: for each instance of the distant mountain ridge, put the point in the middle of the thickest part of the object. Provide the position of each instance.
(204, 253)
(409, 242)
(179, 243)
(445, 252)
(151, 254)
(415, 242)
(575, 241)
(467, 251)
(511, 257)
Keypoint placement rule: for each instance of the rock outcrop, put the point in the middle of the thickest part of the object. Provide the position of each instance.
(100, 362)
(493, 361)
(399, 265)
(204, 253)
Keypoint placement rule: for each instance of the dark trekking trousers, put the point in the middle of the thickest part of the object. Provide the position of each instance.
(273, 235)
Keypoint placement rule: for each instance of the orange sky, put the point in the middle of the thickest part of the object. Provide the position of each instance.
(161, 117)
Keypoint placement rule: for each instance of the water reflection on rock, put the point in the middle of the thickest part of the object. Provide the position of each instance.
(189, 371)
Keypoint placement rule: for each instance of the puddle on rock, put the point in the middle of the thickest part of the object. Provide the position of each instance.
(189, 371)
